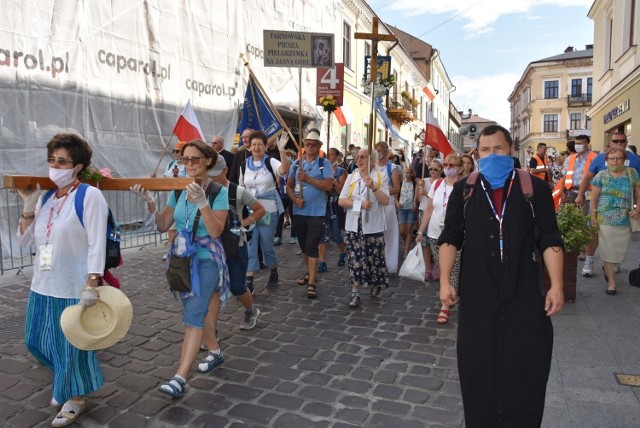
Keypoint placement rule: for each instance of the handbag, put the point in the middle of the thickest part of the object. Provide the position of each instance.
(179, 271)
(413, 266)
(634, 224)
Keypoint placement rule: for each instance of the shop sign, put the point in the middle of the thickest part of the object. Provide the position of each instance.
(621, 108)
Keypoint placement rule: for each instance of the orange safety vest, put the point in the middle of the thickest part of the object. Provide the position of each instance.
(568, 179)
(540, 175)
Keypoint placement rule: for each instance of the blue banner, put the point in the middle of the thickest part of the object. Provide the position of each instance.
(256, 113)
(382, 114)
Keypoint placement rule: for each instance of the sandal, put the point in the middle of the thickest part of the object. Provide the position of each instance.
(211, 361)
(443, 316)
(303, 280)
(311, 291)
(174, 388)
(69, 413)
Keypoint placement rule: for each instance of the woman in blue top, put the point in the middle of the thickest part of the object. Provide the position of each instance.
(211, 289)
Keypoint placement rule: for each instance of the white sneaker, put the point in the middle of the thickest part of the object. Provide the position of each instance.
(587, 269)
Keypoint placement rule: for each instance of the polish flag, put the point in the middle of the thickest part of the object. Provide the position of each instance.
(187, 127)
(343, 115)
(428, 92)
(434, 137)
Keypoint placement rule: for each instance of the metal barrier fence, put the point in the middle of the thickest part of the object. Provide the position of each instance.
(137, 227)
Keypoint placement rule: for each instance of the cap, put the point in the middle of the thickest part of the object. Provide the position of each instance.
(218, 167)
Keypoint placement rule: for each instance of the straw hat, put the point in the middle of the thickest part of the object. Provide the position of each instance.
(101, 325)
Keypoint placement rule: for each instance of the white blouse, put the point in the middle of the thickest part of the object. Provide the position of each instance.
(260, 182)
(77, 250)
(374, 222)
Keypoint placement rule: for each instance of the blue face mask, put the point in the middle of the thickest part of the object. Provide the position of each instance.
(496, 169)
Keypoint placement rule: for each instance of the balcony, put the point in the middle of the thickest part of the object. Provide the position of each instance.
(579, 100)
(401, 111)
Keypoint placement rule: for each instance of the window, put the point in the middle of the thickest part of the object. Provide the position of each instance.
(589, 88)
(550, 123)
(608, 44)
(367, 48)
(575, 120)
(587, 122)
(551, 89)
(346, 45)
(630, 24)
(344, 136)
(365, 135)
(576, 87)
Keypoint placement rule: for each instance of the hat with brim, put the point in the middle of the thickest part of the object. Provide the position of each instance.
(101, 325)
(313, 135)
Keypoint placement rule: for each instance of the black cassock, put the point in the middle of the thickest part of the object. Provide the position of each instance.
(505, 338)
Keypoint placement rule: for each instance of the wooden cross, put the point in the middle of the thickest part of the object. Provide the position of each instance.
(164, 183)
(375, 37)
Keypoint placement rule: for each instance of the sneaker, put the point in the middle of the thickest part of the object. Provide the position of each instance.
(342, 259)
(210, 362)
(355, 301)
(587, 269)
(273, 280)
(322, 267)
(250, 319)
(293, 240)
(435, 274)
(277, 241)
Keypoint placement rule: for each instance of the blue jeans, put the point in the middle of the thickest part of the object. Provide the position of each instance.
(265, 235)
(196, 308)
(237, 271)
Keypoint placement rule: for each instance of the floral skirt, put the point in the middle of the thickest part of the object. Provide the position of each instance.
(366, 261)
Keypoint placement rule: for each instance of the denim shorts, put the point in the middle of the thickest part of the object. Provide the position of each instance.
(196, 308)
(406, 216)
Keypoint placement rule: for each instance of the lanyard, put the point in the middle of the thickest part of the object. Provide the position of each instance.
(504, 207)
(57, 211)
(444, 200)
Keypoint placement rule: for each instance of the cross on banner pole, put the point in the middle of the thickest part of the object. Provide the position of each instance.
(375, 37)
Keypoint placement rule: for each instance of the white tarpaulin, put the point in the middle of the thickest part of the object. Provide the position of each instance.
(119, 72)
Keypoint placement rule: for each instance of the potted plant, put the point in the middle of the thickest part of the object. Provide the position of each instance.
(576, 233)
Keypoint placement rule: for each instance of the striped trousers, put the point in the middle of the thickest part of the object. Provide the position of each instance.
(75, 372)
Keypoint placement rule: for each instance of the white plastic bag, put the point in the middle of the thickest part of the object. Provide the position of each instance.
(413, 266)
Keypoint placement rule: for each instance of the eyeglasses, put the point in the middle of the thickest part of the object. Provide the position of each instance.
(60, 161)
(619, 141)
(450, 165)
(194, 160)
(435, 169)
(362, 157)
(615, 159)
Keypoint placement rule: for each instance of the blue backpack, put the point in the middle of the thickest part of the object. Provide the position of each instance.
(112, 259)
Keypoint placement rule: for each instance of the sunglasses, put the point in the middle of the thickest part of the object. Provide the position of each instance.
(615, 159)
(194, 160)
(619, 141)
(60, 161)
(435, 169)
(450, 165)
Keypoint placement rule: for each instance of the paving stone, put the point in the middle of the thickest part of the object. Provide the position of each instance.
(20, 391)
(287, 387)
(242, 352)
(278, 372)
(288, 420)
(101, 414)
(355, 401)
(207, 401)
(263, 382)
(351, 385)
(265, 345)
(9, 409)
(13, 367)
(339, 369)
(119, 361)
(107, 390)
(346, 358)
(380, 420)
(416, 396)
(150, 406)
(355, 416)
(110, 373)
(123, 399)
(300, 351)
(326, 356)
(286, 360)
(40, 375)
(318, 409)
(136, 383)
(281, 401)
(421, 382)
(224, 373)
(393, 407)
(438, 415)
(238, 391)
(252, 413)
(317, 393)
(287, 337)
(29, 418)
(387, 391)
(8, 381)
(385, 376)
(128, 419)
(312, 365)
(362, 373)
(415, 357)
(176, 415)
(448, 402)
(209, 420)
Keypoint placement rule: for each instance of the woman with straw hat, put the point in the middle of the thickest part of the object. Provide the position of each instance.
(69, 261)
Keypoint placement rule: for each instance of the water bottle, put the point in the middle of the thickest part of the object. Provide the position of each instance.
(235, 228)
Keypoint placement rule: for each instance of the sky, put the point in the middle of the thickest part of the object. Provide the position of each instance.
(486, 45)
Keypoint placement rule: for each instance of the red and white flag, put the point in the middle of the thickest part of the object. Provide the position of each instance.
(434, 137)
(428, 93)
(343, 115)
(187, 127)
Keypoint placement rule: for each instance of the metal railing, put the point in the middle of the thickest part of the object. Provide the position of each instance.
(137, 227)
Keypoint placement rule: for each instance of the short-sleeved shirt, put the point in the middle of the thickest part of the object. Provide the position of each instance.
(315, 200)
(183, 209)
(261, 182)
(599, 163)
(614, 202)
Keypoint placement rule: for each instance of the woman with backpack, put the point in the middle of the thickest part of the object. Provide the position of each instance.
(199, 224)
(69, 262)
(260, 177)
(433, 220)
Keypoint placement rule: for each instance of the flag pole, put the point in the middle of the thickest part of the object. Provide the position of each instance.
(275, 110)
(155, 171)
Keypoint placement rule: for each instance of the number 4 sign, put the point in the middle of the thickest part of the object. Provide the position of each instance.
(330, 82)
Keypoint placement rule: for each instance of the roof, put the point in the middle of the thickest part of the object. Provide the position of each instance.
(587, 53)
(477, 119)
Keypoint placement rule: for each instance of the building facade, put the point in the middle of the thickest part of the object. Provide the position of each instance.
(471, 126)
(549, 103)
(616, 70)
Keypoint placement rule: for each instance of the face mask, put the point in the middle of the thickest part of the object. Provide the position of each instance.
(62, 177)
(496, 168)
(451, 172)
(616, 168)
(579, 148)
(289, 159)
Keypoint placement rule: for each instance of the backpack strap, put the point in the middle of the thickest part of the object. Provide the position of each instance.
(79, 201)
(389, 172)
(470, 185)
(526, 186)
(267, 164)
(437, 184)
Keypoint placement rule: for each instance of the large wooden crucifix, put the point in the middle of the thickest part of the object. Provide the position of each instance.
(375, 37)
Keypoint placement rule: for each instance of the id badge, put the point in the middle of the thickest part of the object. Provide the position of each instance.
(46, 257)
(181, 245)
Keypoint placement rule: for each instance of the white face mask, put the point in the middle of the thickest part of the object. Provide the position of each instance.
(579, 148)
(62, 177)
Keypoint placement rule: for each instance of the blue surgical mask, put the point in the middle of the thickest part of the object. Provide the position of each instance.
(496, 168)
